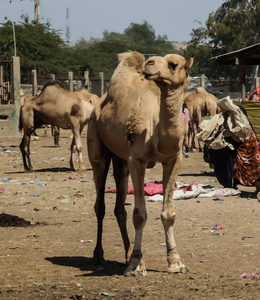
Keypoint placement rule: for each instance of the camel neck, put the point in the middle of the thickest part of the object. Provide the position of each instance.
(171, 106)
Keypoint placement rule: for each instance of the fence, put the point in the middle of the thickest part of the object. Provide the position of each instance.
(96, 85)
(10, 94)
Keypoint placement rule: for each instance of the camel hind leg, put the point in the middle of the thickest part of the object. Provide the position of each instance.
(121, 175)
(100, 158)
(25, 150)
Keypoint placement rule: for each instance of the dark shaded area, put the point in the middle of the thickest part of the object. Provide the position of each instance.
(7, 220)
(109, 268)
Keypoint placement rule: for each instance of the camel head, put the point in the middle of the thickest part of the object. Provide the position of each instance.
(171, 70)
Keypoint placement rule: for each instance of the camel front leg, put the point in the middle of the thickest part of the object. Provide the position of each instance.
(137, 171)
(76, 144)
(168, 214)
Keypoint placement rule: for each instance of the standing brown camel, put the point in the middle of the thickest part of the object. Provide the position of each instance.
(200, 104)
(56, 106)
(136, 124)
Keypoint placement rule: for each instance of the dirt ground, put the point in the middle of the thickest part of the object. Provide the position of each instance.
(48, 234)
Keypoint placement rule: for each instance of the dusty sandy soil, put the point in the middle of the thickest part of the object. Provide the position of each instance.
(51, 256)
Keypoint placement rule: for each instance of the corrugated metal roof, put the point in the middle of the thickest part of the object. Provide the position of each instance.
(248, 56)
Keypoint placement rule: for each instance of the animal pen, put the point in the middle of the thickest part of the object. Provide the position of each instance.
(10, 97)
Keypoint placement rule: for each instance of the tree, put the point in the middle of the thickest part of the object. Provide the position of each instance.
(38, 46)
(233, 26)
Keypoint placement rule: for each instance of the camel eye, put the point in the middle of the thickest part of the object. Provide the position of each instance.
(172, 66)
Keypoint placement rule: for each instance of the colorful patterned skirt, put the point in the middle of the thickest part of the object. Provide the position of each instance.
(247, 161)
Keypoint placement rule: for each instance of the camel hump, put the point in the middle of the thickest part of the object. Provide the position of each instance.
(132, 59)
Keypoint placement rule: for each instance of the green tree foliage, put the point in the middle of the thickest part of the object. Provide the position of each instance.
(38, 46)
(41, 48)
(233, 26)
(101, 55)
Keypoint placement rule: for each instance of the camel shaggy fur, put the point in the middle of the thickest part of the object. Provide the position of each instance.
(56, 106)
(137, 124)
(200, 104)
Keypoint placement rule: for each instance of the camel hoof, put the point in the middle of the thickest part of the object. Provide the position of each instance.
(177, 269)
(29, 171)
(98, 256)
(139, 271)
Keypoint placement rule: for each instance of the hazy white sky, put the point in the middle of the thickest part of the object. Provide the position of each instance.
(175, 18)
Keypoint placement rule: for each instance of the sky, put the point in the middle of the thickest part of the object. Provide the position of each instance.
(89, 19)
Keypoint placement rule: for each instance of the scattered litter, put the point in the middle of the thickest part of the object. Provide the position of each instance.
(163, 244)
(217, 227)
(14, 166)
(36, 209)
(34, 195)
(247, 237)
(7, 151)
(249, 275)
(79, 195)
(219, 202)
(86, 241)
(212, 180)
(46, 162)
(5, 179)
(65, 196)
(41, 184)
(105, 294)
(192, 255)
(2, 189)
(24, 202)
(72, 177)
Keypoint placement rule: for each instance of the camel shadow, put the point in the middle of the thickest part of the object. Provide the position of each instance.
(54, 170)
(86, 264)
(248, 195)
(198, 174)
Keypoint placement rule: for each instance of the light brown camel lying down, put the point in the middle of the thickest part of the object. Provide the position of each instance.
(200, 104)
(137, 124)
(56, 106)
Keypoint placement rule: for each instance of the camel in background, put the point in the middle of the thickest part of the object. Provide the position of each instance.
(200, 104)
(56, 106)
(138, 123)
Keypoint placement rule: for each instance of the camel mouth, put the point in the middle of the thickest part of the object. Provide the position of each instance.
(151, 76)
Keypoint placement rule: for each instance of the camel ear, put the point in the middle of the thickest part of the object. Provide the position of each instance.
(189, 63)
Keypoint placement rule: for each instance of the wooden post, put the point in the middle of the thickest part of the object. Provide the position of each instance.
(34, 82)
(87, 82)
(203, 84)
(36, 11)
(242, 78)
(70, 75)
(1, 83)
(101, 76)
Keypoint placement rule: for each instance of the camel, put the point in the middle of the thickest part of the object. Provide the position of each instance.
(200, 104)
(56, 106)
(136, 124)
